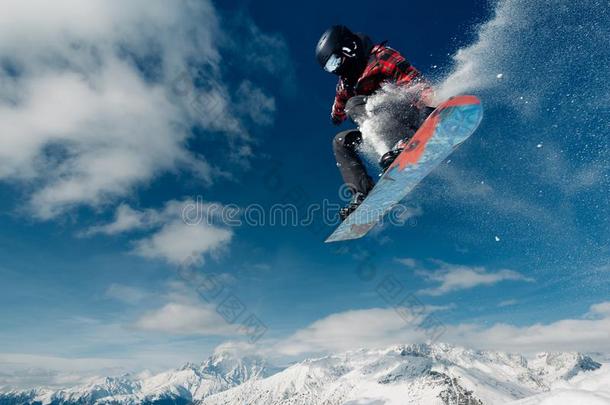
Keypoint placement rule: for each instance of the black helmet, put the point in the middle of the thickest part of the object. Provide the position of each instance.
(340, 50)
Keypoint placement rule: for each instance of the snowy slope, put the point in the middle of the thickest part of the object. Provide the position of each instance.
(406, 374)
(180, 386)
(415, 374)
(592, 388)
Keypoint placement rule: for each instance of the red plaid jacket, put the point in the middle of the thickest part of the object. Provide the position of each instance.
(384, 65)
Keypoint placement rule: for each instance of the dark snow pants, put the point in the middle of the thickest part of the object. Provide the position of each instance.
(346, 143)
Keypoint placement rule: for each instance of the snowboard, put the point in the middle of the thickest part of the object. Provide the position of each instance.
(449, 125)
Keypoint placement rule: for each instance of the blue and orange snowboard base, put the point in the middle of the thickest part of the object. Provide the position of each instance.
(443, 131)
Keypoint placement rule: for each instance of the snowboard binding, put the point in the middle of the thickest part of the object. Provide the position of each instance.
(388, 158)
(351, 207)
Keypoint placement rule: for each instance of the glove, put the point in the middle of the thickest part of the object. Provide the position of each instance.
(337, 120)
(355, 109)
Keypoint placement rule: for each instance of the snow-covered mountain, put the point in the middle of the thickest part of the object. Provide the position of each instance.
(408, 374)
(591, 388)
(184, 385)
(414, 374)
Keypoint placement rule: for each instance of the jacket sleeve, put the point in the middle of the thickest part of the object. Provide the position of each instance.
(341, 97)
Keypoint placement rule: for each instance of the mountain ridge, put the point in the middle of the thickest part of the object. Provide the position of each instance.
(421, 373)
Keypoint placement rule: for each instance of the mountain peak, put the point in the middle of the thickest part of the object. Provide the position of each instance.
(235, 369)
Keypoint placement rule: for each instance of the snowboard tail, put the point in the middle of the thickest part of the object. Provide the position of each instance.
(449, 125)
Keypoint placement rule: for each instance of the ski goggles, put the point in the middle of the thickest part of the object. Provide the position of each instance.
(333, 63)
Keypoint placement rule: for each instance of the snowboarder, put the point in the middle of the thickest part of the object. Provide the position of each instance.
(362, 69)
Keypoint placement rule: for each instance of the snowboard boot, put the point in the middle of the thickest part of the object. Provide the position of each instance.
(351, 207)
(388, 158)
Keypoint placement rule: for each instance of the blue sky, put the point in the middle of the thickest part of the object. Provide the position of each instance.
(114, 119)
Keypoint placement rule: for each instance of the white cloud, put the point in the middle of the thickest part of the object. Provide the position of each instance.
(29, 370)
(407, 262)
(350, 329)
(378, 327)
(125, 293)
(126, 219)
(176, 241)
(508, 303)
(181, 229)
(183, 311)
(88, 102)
(564, 335)
(187, 319)
(455, 277)
(255, 104)
(599, 310)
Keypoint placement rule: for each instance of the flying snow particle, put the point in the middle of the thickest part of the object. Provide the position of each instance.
(539, 146)
(497, 238)
(499, 76)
